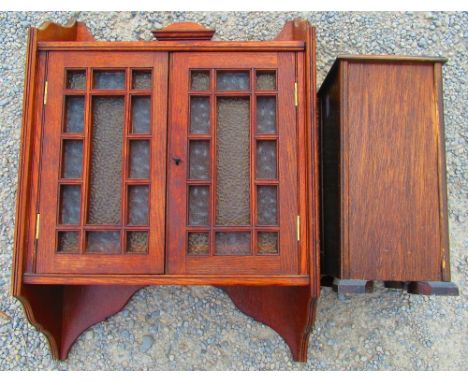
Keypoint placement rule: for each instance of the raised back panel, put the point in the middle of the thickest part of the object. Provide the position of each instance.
(392, 173)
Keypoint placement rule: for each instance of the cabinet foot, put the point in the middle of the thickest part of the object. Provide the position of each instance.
(290, 311)
(440, 288)
(62, 313)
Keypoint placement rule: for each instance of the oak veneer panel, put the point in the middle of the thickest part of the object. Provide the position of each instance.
(384, 209)
(392, 172)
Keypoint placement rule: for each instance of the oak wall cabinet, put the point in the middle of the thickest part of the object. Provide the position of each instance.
(384, 203)
(181, 161)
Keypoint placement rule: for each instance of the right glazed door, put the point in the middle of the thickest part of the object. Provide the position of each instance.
(232, 165)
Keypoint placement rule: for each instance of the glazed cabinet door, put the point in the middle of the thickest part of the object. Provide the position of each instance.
(102, 183)
(232, 164)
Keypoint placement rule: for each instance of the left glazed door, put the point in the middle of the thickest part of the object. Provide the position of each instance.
(102, 180)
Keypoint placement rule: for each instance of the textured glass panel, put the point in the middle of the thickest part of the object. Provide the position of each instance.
(267, 205)
(68, 241)
(141, 115)
(233, 162)
(109, 79)
(199, 160)
(200, 80)
(266, 160)
(72, 159)
(200, 115)
(74, 114)
(70, 205)
(198, 205)
(139, 159)
(76, 79)
(106, 160)
(107, 241)
(233, 243)
(266, 115)
(267, 242)
(266, 81)
(138, 205)
(232, 80)
(137, 241)
(141, 79)
(198, 243)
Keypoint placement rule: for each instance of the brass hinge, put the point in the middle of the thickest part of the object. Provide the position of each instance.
(295, 94)
(298, 227)
(443, 263)
(45, 92)
(38, 221)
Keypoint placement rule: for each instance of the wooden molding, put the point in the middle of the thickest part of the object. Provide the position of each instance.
(183, 31)
(71, 31)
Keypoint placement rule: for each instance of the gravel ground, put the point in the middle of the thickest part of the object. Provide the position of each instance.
(198, 327)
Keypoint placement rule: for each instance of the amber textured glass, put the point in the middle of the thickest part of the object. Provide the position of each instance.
(232, 80)
(198, 243)
(68, 241)
(266, 160)
(141, 79)
(137, 241)
(266, 115)
(200, 80)
(198, 205)
(267, 209)
(199, 115)
(233, 162)
(233, 243)
(138, 205)
(103, 241)
(139, 159)
(199, 165)
(70, 204)
(74, 114)
(267, 242)
(72, 159)
(141, 115)
(106, 160)
(266, 80)
(109, 79)
(76, 79)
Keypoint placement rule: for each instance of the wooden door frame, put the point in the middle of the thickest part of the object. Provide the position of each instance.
(178, 262)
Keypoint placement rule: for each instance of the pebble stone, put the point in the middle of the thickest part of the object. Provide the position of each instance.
(198, 328)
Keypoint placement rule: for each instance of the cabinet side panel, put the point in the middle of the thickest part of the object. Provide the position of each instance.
(329, 101)
(394, 231)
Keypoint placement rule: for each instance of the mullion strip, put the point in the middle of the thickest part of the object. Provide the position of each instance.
(252, 152)
(126, 159)
(213, 167)
(86, 159)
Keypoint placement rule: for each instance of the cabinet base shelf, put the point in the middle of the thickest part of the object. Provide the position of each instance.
(64, 312)
(246, 280)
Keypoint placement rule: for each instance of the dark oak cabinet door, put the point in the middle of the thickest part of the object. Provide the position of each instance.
(102, 184)
(232, 164)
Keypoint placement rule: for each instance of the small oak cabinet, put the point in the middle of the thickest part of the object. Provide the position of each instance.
(384, 203)
(181, 161)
